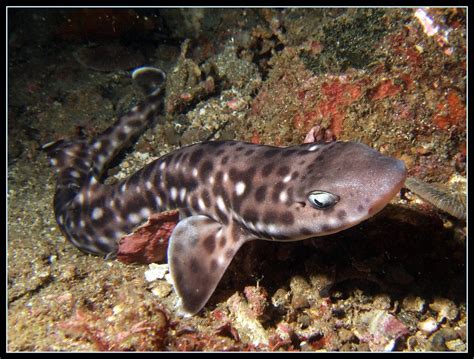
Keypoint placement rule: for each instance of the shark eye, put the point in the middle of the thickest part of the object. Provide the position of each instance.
(322, 200)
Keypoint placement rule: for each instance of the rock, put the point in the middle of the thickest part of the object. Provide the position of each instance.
(414, 304)
(156, 271)
(439, 339)
(245, 322)
(428, 326)
(345, 335)
(417, 342)
(149, 242)
(193, 135)
(162, 289)
(445, 309)
(456, 345)
(281, 298)
(257, 298)
(299, 289)
(382, 301)
(379, 329)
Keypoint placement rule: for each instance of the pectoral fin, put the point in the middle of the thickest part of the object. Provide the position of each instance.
(200, 249)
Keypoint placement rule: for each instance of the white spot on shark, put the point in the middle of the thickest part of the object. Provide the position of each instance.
(240, 188)
(249, 225)
(75, 174)
(80, 198)
(221, 204)
(133, 218)
(182, 194)
(98, 145)
(201, 204)
(272, 229)
(145, 212)
(261, 227)
(173, 193)
(103, 239)
(97, 213)
(159, 202)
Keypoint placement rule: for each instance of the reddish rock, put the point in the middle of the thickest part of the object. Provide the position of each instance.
(149, 243)
(339, 95)
(255, 138)
(186, 97)
(385, 89)
(407, 80)
(414, 57)
(257, 298)
(451, 112)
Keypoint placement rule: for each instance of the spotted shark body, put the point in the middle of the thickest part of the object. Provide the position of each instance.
(228, 193)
